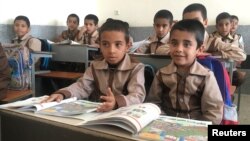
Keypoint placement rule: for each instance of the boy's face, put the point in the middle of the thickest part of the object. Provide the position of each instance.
(21, 28)
(195, 15)
(223, 27)
(90, 26)
(113, 46)
(234, 24)
(183, 48)
(72, 23)
(162, 27)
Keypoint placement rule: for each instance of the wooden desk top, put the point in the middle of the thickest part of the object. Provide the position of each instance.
(13, 95)
(61, 75)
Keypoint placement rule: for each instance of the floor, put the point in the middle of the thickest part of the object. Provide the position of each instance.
(244, 113)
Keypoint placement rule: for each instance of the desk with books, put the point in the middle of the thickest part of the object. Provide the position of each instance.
(28, 126)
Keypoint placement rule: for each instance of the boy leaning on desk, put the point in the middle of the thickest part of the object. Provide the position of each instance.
(116, 80)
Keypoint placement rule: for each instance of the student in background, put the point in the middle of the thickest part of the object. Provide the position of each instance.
(4, 73)
(116, 79)
(22, 29)
(233, 31)
(185, 88)
(88, 33)
(72, 31)
(163, 20)
(223, 26)
(213, 45)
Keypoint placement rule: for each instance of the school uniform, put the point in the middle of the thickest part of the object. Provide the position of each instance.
(90, 39)
(68, 35)
(4, 73)
(126, 82)
(154, 45)
(29, 41)
(227, 47)
(195, 95)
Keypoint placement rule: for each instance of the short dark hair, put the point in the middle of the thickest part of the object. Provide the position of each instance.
(192, 26)
(24, 18)
(196, 7)
(75, 16)
(115, 25)
(223, 15)
(234, 17)
(92, 17)
(164, 14)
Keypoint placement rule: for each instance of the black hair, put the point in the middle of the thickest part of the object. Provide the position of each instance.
(92, 17)
(196, 7)
(223, 15)
(164, 14)
(24, 18)
(192, 26)
(75, 16)
(115, 25)
(234, 17)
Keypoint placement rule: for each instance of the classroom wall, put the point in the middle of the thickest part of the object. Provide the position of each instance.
(137, 12)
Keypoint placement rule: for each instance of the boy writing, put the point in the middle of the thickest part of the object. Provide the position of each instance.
(163, 20)
(116, 79)
(72, 31)
(88, 33)
(185, 88)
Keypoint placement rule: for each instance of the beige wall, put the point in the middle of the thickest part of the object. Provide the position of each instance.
(136, 12)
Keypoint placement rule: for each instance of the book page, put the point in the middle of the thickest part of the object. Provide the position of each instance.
(40, 106)
(134, 117)
(71, 108)
(174, 128)
(22, 103)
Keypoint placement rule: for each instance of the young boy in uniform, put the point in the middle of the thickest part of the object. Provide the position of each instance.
(185, 88)
(163, 20)
(88, 33)
(72, 31)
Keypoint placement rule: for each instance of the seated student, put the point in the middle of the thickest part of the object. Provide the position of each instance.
(223, 26)
(22, 29)
(4, 73)
(233, 31)
(162, 24)
(116, 79)
(185, 88)
(88, 33)
(72, 31)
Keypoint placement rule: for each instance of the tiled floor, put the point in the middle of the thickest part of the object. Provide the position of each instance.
(244, 113)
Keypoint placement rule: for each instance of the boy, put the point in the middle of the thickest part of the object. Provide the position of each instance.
(88, 33)
(4, 73)
(185, 88)
(213, 45)
(116, 79)
(163, 20)
(223, 26)
(72, 31)
(234, 23)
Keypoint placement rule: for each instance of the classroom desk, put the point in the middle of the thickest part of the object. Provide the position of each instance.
(72, 53)
(157, 61)
(26, 126)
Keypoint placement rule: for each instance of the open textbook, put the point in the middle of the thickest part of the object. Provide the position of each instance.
(131, 118)
(175, 129)
(67, 107)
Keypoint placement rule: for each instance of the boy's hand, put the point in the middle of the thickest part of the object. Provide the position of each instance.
(109, 103)
(53, 97)
(83, 29)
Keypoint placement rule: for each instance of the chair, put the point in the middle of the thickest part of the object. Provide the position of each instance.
(149, 73)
